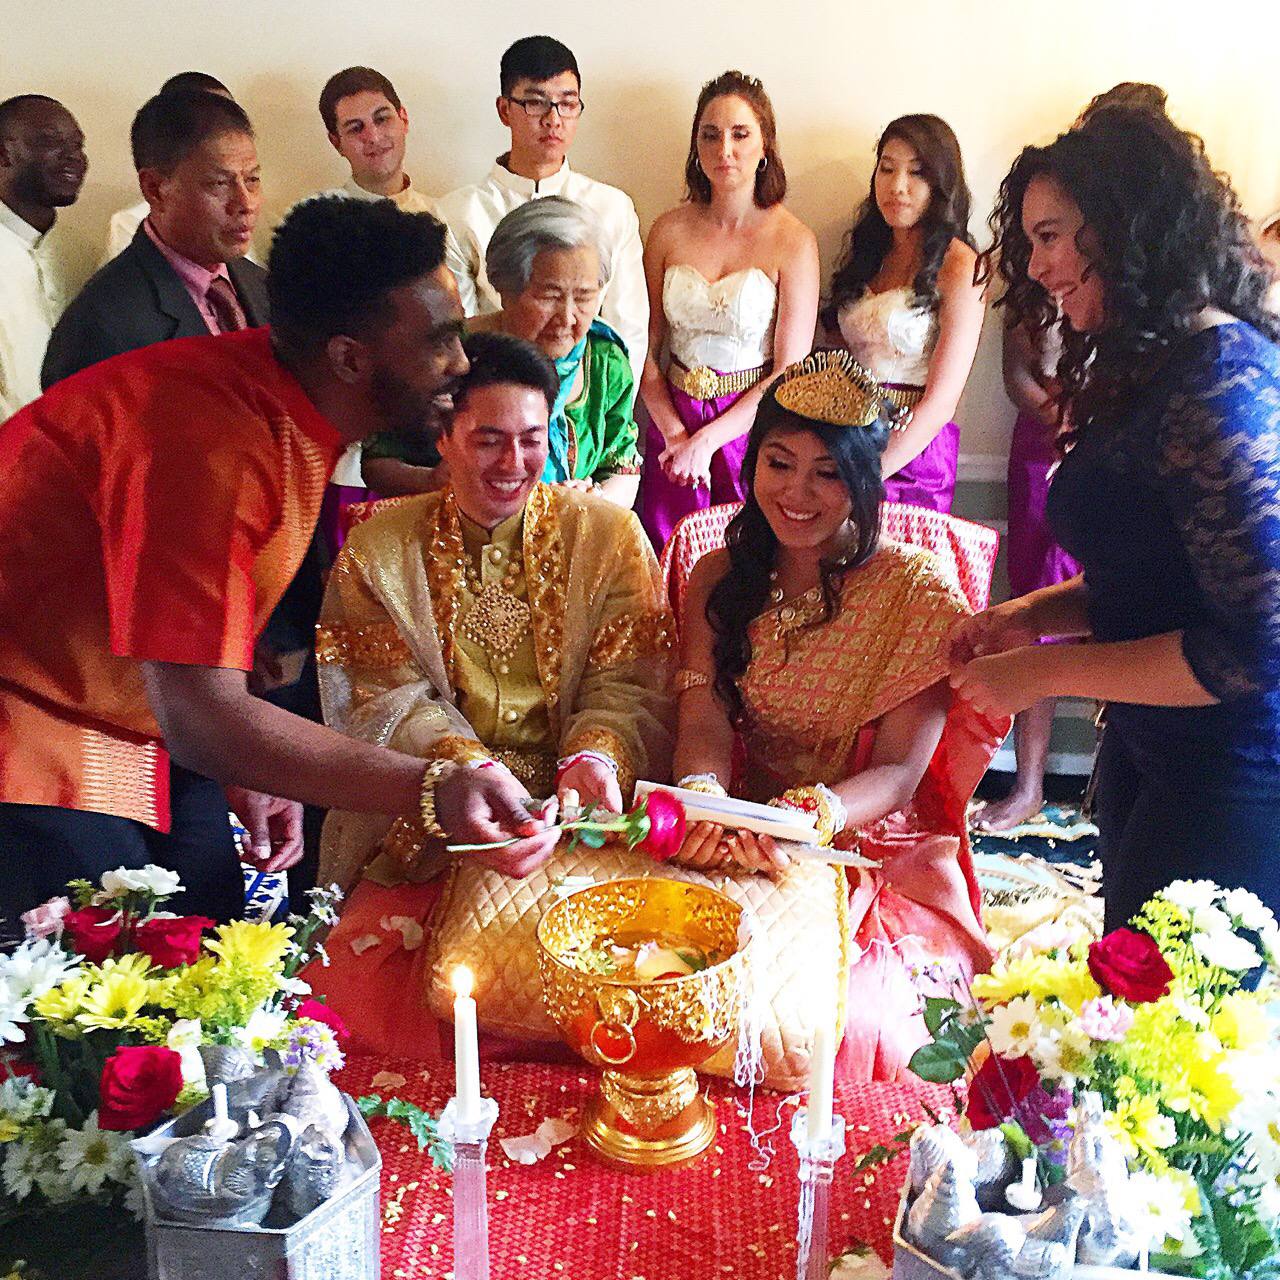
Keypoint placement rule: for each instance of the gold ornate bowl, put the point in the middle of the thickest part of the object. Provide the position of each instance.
(648, 1036)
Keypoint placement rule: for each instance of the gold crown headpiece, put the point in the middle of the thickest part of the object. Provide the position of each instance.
(831, 386)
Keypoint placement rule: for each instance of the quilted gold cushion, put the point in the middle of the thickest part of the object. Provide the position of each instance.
(488, 921)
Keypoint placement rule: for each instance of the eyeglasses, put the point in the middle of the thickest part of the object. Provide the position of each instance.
(537, 107)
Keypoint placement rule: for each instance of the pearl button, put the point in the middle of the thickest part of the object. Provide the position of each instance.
(510, 716)
(495, 555)
(504, 669)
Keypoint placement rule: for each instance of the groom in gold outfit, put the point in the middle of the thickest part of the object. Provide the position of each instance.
(500, 623)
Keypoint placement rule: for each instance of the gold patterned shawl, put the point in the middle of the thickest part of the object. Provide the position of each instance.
(602, 630)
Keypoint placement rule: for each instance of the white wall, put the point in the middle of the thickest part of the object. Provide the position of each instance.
(1002, 72)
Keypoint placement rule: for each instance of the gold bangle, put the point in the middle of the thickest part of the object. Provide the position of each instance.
(436, 770)
(815, 801)
(706, 784)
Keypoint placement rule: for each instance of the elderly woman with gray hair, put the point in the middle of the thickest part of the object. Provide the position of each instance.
(545, 263)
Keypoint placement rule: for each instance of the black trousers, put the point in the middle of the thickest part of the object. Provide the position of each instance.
(42, 848)
(1160, 821)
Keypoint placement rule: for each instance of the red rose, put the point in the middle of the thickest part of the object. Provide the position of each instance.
(139, 1084)
(666, 826)
(319, 1012)
(171, 942)
(997, 1089)
(93, 931)
(1128, 964)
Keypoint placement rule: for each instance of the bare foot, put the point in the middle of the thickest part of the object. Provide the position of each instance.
(1004, 815)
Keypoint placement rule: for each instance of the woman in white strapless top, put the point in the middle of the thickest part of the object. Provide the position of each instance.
(733, 294)
(904, 302)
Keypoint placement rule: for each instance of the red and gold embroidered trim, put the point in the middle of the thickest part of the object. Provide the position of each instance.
(459, 748)
(632, 636)
(446, 559)
(119, 777)
(376, 644)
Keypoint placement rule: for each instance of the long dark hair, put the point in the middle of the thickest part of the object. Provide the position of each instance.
(771, 180)
(1165, 233)
(945, 219)
(743, 592)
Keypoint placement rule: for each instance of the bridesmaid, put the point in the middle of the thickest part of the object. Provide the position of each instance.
(903, 300)
(733, 293)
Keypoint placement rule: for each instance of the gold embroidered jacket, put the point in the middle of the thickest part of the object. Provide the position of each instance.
(403, 662)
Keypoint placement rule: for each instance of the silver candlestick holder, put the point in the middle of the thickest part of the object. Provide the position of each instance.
(818, 1158)
(470, 1197)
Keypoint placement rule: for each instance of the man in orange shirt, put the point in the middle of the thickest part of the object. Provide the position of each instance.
(155, 507)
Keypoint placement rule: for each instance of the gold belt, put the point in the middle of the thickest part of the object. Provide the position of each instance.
(904, 397)
(703, 383)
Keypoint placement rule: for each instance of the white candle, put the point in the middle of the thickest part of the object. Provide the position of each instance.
(466, 1048)
(221, 1127)
(1025, 1195)
(822, 1081)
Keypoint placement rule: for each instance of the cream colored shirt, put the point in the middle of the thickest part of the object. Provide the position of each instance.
(35, 287)
(123, 227)
(471, 214)
(408, 200)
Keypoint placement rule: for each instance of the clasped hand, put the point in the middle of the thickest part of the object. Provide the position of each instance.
(995, 662)
(686, 460)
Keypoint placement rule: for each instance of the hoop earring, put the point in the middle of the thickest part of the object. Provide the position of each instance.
(763, 165)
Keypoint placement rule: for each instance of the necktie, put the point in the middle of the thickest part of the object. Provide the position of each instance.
(225, 306)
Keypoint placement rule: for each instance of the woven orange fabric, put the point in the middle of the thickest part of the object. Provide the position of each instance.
(571, 1216)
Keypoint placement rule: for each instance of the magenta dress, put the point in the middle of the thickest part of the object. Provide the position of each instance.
(725, 325)
(894, 340)
(1035, 559)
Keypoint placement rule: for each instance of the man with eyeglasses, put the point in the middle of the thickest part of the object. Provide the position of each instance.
(541, 103)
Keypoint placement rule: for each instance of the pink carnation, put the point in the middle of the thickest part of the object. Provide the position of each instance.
(1103, 1019)
(46, 919)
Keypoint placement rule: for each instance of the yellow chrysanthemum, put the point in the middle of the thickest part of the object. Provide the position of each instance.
(1065, 978)
(1213, 1094)
(1241, 1022)
(9, 1130)
(63, 1002)
(119, 995)
(255, 944)
(1140, 1127)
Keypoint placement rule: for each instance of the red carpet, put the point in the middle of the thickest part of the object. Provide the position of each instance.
(570, 1216)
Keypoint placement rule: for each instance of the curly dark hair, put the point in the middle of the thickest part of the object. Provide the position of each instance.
(743, 592)
(946, 218)
(333, 263)
(771, 180)
(1166, 235)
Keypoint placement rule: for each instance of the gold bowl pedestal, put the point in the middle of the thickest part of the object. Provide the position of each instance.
(647, 1036)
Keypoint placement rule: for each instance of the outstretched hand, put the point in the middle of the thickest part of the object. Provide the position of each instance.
(274, 826)
(484, 806)
(995, 630)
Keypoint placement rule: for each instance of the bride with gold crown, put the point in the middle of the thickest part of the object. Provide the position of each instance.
(812, 677)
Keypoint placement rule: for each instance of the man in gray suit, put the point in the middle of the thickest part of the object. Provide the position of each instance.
(185, 273)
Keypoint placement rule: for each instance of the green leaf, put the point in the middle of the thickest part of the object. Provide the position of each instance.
(937, 1011)
(422, 1124)
(939, 1063)
(1016, 1137)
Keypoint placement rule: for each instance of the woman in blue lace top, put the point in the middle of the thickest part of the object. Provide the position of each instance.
(1168, 495)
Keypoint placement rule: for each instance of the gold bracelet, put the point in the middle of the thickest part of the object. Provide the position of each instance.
(435, 771)
(706, 784)
(815, 801)
(687, 679)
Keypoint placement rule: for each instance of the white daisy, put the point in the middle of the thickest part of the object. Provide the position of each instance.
(14, 1013)
(22, 1100)
(1014, 1027)
(22, 1162)
(261, 1029)
(1160, 1208)
(91, 1156)
(36, 967)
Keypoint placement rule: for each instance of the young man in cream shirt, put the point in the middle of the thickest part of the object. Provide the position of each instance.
(367, 126)
(541, 103)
